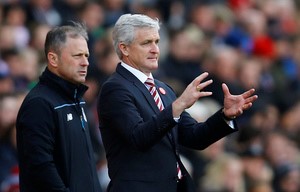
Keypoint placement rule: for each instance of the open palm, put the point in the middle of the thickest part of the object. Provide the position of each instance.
(235, 105)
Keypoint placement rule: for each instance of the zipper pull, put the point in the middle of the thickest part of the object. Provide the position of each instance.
(82, 122)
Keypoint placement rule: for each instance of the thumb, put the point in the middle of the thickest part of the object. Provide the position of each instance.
(225, 90)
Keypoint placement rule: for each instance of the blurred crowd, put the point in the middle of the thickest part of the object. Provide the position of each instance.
(244, 43)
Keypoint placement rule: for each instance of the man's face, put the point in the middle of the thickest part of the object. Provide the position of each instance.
(73, 60)
(143, 52)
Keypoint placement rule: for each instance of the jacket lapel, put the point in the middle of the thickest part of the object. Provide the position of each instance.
(139, 85)
(166, 98)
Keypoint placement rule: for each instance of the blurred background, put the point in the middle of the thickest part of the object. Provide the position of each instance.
(244, 43)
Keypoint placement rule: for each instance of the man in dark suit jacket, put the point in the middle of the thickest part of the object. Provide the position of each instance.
(140, 140)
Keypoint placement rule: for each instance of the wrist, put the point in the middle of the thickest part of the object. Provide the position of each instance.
(226, 117)
(177, 108)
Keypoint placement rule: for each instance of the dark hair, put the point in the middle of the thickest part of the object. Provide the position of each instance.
(57, 37)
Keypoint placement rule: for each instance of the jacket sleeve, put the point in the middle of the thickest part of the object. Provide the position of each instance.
(200, 135)
(36, 140)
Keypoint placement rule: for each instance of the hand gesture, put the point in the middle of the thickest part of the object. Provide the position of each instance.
(191, 94)
(235, 105)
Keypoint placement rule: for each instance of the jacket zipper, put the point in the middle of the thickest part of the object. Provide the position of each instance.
(77, 109)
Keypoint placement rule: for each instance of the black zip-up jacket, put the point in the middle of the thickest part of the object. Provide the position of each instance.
(54, 147)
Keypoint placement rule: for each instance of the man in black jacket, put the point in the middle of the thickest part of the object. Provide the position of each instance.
(54, 146)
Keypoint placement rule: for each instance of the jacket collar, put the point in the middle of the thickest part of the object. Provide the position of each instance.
(61, 85)
(127, 74)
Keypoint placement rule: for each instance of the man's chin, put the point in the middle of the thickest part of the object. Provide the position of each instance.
(81, 80)
(154, 65)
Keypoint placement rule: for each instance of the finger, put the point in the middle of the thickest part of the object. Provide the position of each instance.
(200, 78)
(251, 99)
(201, 86)
(205, 93)
(248, 93)
(247, 106)
(240, 112)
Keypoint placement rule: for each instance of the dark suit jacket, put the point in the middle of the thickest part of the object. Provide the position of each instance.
(140, 154)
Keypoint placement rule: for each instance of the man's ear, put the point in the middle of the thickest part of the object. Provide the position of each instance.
(52, 59)
(123, 49)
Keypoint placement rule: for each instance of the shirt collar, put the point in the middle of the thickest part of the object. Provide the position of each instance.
(140, 75)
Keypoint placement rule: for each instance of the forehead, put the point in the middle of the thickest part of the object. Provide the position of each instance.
(78, 43)
(146, 33)
(75, 40)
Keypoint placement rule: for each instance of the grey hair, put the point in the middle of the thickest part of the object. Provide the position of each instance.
(124, 29)
(57, 37)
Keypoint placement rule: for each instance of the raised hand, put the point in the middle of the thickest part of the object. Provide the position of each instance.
(235, 105)
(191, 94)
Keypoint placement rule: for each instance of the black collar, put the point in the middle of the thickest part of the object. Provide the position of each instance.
(61, 85)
